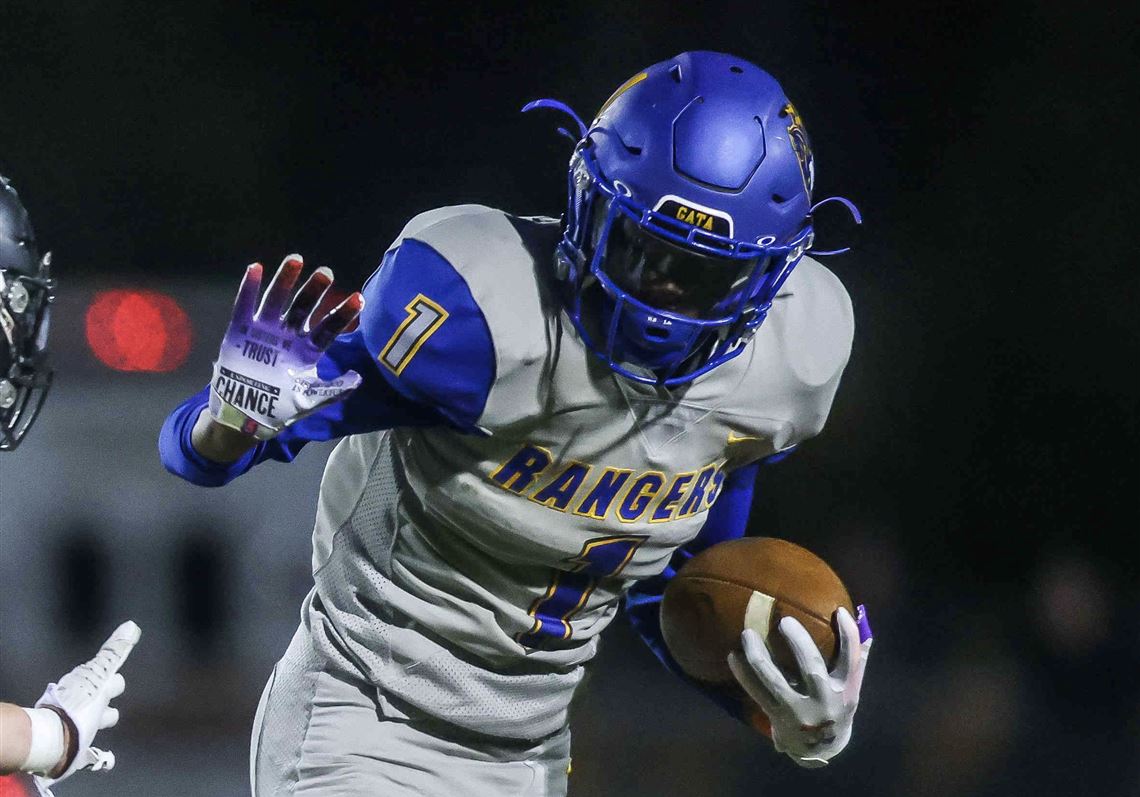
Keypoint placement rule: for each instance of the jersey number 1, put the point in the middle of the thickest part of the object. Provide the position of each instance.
(424, 318)
(604, 557)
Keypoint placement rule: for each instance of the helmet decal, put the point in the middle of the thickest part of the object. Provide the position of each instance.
(797, 137)
(700, 216)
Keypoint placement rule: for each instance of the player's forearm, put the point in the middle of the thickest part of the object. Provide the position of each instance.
(15, 737)
(31, 740)
(180, 457)
(219, 443)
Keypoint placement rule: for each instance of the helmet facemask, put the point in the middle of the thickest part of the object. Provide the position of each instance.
(660, 301)
(25, 376)
(26, 294)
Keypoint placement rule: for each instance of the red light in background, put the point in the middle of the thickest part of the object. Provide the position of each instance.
(19, 785)
(138, 331)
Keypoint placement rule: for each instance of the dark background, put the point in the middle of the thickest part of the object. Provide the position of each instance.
(977, 482)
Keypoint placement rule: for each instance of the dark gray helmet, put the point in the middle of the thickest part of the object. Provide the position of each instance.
(26, 294)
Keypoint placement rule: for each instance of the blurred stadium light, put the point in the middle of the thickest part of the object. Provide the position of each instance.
(138, 330)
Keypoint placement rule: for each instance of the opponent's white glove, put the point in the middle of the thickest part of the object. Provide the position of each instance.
(265, 377)
(81, 699)
(812, 725)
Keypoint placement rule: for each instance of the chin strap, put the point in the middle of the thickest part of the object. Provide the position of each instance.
(557, 105)
(855, 214)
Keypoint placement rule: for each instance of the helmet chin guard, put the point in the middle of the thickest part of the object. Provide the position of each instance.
(689, 205)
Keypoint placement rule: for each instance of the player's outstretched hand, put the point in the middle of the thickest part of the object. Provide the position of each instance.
(265, 377)
(813, 723)
(82, 698)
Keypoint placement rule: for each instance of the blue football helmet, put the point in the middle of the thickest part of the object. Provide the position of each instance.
(689, 205)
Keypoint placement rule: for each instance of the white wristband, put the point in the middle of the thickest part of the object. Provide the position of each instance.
(47, 745)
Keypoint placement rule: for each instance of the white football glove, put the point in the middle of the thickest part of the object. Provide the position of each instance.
(265, 377)
(813, 725)
(81, 698)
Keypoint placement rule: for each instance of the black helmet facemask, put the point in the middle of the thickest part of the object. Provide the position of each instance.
(26, 294)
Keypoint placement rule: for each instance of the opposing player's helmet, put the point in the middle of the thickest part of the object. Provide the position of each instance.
(26, 293)
(689, 205)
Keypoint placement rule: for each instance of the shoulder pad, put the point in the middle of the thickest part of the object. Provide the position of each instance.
(813, 315)
(796, 360)
(420, 226)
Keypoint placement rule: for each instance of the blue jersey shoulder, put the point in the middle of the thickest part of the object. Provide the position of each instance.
(427, 333)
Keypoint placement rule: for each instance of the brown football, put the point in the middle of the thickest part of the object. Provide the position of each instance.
(751, 582)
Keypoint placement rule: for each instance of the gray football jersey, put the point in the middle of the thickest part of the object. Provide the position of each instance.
(470, 575)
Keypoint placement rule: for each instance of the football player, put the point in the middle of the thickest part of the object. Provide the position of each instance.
(53, 739)
(537, 417)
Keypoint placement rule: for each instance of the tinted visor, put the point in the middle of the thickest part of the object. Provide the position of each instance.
(672, 278)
